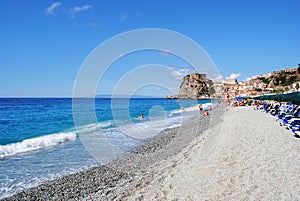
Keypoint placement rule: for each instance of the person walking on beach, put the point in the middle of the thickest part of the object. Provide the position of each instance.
(228, 98)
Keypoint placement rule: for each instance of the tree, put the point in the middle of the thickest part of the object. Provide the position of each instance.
(265, 80)
(212, 90)
(291, 80)
(286, 88)
(282, 79)
(258, 89)
(299, 69)
(297, 86)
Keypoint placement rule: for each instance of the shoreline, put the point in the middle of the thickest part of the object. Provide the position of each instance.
(114, 179)
(233, 154)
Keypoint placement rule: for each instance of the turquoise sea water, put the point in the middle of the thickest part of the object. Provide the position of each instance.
(39, 140)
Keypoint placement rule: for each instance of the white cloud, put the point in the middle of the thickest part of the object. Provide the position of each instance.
(52, 7)
(178, 74)
(233, 76)
(77, 9)
(218, 78)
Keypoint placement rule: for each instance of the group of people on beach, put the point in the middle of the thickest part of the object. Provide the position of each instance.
(205, 113)
(238, 103)
(287, 114)
(202, 110)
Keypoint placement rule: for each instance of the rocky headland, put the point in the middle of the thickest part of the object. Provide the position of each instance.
(194, 86)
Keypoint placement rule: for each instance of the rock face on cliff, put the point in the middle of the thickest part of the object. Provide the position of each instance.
(194, 86)
(277, 80)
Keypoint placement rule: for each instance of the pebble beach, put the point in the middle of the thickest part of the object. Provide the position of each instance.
(232, 154)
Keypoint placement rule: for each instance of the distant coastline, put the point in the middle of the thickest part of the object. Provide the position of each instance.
(125, 96)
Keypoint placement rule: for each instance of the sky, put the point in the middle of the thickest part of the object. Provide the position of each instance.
(45, 43)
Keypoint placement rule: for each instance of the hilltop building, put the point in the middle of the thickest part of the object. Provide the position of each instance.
(197, 86)
(194, 86)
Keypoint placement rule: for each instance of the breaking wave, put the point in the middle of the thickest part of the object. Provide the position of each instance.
(36, 143)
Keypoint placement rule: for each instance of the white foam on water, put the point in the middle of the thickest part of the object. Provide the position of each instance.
(36, 143)
(113, 134)
(183, 110)
(149, 127)
(207, 106)
(51, 140)
(192, 109)
(144, 127)
(94, 127)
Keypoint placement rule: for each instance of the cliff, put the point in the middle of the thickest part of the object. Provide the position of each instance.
(194, 86)
(278, 79)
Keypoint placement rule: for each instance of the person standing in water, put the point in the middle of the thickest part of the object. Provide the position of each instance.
(142, 116)
(200, 107)
(205, 113)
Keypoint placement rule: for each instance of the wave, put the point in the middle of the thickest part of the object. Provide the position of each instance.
(174, 119)
(206, 106)
(36, 143)
(180, 111)
(95, 126)
(51, 140)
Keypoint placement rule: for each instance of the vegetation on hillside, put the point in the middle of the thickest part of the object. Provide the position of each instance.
(281, 79)
(265, 80)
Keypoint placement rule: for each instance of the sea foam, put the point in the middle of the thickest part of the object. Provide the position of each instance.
(36, 143)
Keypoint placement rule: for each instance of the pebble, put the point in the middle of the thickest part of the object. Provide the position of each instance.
(120, 177)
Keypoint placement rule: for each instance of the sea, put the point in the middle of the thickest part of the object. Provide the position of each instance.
(45, 138)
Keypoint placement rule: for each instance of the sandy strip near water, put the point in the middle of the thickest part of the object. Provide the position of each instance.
(254, 159)
(235, 154)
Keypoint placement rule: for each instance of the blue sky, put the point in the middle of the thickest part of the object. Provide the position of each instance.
(44, 43)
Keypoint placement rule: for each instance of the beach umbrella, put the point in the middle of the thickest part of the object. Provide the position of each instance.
(239, 98)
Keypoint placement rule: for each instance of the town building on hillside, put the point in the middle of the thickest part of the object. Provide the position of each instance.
(242, 89)
(230, 86)
(219, 89)
(266, 75)
(230, 81)
(253, 82)
(290, 70)
(198, 86)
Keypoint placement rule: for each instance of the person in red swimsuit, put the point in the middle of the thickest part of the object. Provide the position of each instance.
(228, 98)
